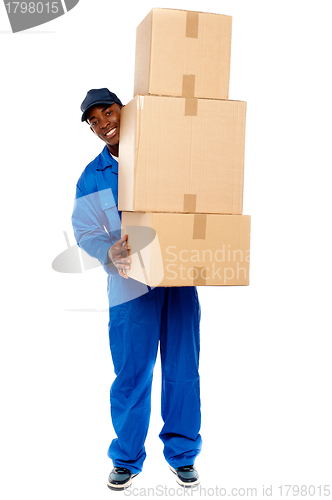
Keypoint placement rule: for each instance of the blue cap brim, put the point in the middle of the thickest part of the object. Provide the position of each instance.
(83, 119)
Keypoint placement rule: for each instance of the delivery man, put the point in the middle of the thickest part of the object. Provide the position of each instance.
(140, 319)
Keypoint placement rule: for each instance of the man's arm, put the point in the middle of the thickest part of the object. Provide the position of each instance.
(89, 230)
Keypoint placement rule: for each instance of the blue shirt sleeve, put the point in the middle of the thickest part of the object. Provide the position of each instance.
(89, 230)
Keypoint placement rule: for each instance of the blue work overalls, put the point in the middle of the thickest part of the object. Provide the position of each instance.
(141, 319)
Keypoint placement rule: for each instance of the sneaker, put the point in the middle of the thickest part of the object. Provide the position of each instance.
(120, 478)
(186, 476)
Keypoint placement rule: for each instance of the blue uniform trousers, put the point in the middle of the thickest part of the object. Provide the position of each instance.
(169, 316)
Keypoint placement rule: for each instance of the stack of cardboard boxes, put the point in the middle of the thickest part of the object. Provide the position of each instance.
(181, 155)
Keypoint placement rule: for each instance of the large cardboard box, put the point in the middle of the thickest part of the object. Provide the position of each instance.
(182, 155)
(188, 249)
(183, 53)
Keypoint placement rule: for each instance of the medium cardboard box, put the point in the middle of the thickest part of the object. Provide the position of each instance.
(183, 53)
(182, 155)
(188, 249)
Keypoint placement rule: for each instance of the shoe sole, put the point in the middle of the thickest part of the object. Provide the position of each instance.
(181, 483)
(120, 487)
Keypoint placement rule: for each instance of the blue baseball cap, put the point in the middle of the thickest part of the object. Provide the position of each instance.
(98, 96)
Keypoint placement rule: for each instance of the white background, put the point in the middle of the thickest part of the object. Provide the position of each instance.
(265, 349)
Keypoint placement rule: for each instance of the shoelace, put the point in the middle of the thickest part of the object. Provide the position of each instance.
(186, 468)
(121, 470)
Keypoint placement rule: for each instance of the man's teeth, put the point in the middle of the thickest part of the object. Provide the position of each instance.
(111, 131)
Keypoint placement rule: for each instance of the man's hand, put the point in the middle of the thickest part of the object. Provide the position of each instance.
(118, 254)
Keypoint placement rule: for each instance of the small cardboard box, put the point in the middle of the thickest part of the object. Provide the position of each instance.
(172, 45)
(182, 155)
(188, 249)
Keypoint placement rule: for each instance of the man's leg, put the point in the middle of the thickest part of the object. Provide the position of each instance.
(134, 331)
(180, 403)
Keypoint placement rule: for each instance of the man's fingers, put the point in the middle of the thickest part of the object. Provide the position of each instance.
(122, 261)
(122, 274)
(123, 254)
(122, 264)
(117, 249)
(118, 253)
(123, 239)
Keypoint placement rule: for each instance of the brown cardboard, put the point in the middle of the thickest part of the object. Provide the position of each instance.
(192, 24)
(171, 44)
(188, 249)
(172, 162)
(199, 231)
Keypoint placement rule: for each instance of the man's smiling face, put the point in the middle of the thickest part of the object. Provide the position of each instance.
(104, 121)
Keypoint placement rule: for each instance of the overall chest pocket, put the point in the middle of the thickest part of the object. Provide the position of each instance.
(109, 205)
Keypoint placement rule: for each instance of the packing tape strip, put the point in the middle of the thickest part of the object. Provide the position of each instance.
(188, 86)
(189, 203)
(199, 231)
(192, 24)
(190, 106)
(199, 276)
(188, 91)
